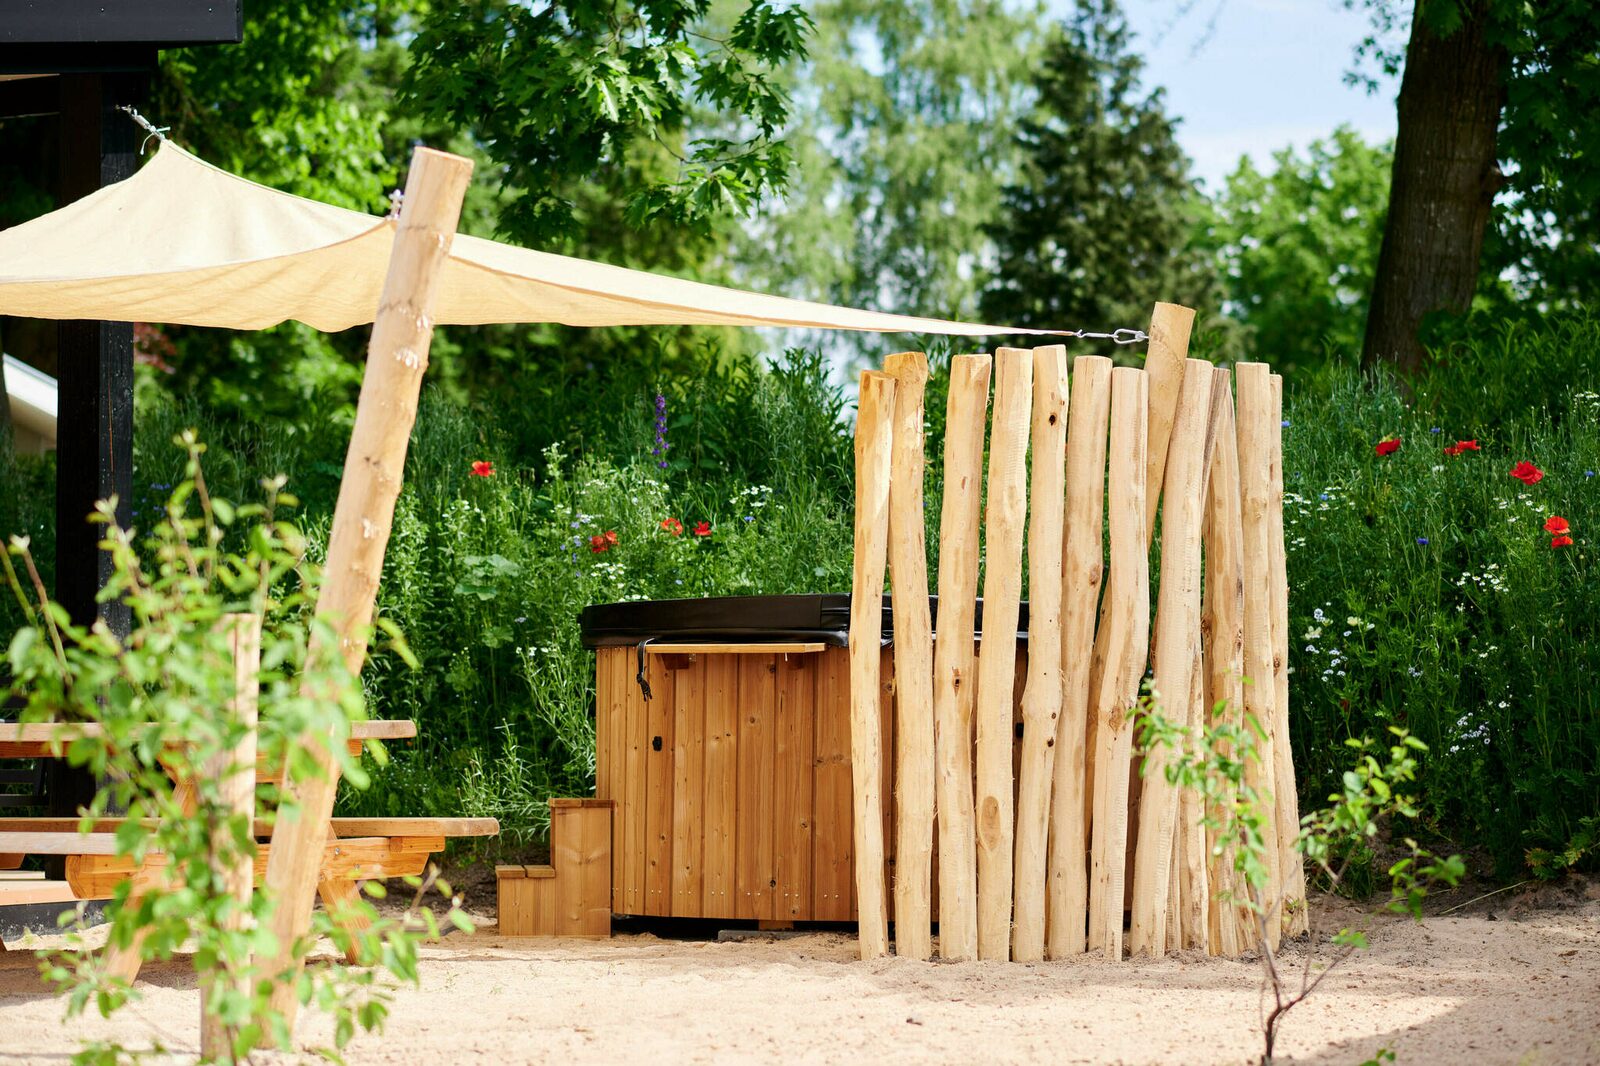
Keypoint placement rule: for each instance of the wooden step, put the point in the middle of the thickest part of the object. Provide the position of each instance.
(342, 827)
(21, 893)
(572, 895)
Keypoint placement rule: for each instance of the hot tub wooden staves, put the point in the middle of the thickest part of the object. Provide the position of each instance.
(732, 784)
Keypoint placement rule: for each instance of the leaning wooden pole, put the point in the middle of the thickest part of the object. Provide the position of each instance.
(1224, 655)
(1041, 700)
(1254, 417)
(397, 358)
(1082, 570)
(1127, 617)
(954, 675)
(1176, 648)
(235, 774)
(1291, 865)
(913, 665)
(1006, 511)
(874, 437)
(1170, 326)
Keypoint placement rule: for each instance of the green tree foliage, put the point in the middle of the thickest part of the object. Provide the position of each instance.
(565, 91)
(907, 133)
(1099, 223)
(1297, 246)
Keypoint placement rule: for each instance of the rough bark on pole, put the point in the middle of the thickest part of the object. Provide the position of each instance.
(1292, 866)
(235, 773)
(1041, 700)
(1082, 571)
(397, 358)
(913, 665)
(1176, 643)
(874, 436)
(954, 676)
(1006, 512)
(1254, 419)
(1127, 620)
(1224, 649)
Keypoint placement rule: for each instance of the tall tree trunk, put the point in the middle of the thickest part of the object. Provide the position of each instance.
(1442, 186)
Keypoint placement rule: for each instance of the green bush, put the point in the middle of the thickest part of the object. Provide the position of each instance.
(1426, 593)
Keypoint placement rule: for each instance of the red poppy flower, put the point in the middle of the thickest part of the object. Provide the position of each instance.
(483, 468)
(1527, 473)
(702, 529)
(1556, 524)
(673, 526)
(1561, 541)
(603, 542)
(1452, 450)
(1388, 447)
(1467, 446)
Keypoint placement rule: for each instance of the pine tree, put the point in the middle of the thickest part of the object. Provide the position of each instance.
(1099, 225)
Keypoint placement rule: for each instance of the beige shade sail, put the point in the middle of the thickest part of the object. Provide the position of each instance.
(185, 243)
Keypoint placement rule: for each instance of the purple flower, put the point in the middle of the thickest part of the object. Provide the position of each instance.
(1435, 429)
(1285, 423)
(661, 448)
(1422, 540)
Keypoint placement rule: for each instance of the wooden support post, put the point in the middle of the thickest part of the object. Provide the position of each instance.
(1041, 700)
(235, 773)
(1082, 571)
(953, 654)
(1127, 619)
(997, 666)
(1170, 325)
(913, 665)
(1224, 649)
(397, 358)
(874, 436)
(1255, 490)
(1291, 864)
(1176, 644)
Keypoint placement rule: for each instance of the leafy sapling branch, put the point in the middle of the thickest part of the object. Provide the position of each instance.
(1219, 765)
(177, 707)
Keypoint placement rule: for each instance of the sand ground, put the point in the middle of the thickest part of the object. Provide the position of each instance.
(1507, 985)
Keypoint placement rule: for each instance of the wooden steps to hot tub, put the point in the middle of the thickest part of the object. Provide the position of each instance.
(571, 896)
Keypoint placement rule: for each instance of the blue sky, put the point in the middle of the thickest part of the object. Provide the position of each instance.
(1270, 74)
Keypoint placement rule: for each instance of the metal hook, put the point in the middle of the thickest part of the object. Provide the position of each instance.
(158, 132)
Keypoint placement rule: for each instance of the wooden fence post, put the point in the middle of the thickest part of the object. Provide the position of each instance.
(1170, 325)
(1082, 571)
(913, 665)
(1288, 819)
(235, 773)
(397, 357)
(1224, 648)
(874, 435)
(1255, 490)
(953, 657)
(1041, 700)
(1176, 645)
(1126, 620)
(1006, 507)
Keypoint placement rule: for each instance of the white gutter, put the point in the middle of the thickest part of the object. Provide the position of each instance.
(33, 396)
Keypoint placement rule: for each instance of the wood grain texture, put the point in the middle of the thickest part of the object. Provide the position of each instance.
(756, 866)
(874, 437)
(688, 789)
(1170, 326)
(1126, 622)
(1223, 649)
(1176, 647)
(1291, 865)
(793, 753)
(833, 841)
(721, 785)
(1006, 511)
(954, 655)
(397, 358)
(1041, 699)
(660, 717)
(1082, 573)
(913, 664)
(1254, 418)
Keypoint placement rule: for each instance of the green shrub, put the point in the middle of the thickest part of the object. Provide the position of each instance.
(1426, 593)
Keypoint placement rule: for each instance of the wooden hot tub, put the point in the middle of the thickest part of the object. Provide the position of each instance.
(732, 783)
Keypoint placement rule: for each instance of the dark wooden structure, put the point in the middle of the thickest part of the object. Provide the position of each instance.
(81, 60)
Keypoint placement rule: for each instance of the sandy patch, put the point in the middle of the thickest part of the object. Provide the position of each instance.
(1457, 991)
